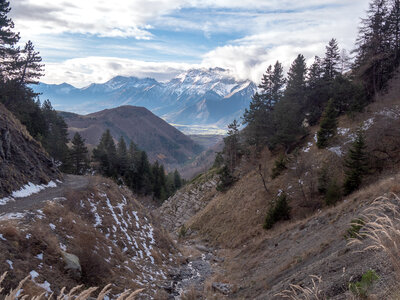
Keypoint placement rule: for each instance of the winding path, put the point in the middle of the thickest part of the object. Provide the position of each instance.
(35, 201)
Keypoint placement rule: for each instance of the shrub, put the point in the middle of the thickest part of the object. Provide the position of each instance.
(361, 288)
(356, 164)
(280, 210)
(328, 125)
(354, 231)
(279, 166)
(226, 179)
(333, 193)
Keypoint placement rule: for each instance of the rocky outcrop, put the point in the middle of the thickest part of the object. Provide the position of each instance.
(22, 159)
(179, 208)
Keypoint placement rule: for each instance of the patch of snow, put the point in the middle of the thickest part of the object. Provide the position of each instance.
(309, 145)
(315, 137)
(12, 216)
(40, 256)
(337, 150)
(10, 263)
(367, 124)
(5, 200)
(34, 274)
(63, 247)
(45, 285)
(28, 236)
(52, 226)
(30, 189)
(2, 237)
(343, 131)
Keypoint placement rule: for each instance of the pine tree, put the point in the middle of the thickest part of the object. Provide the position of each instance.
(332, 60)
(8, 40)
(232, 146)
(372, 46)
(317, 93)
(177, 180)
(78, 155)
(28, 62)
(328, 125)
(289, 113)
(105, 154)
(122, 157)
(258, 117)
(356, 164)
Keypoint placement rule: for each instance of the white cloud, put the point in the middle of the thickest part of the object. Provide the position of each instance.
(270, 30)
(81, 72)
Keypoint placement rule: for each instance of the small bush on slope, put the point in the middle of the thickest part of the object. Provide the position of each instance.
(277, 212)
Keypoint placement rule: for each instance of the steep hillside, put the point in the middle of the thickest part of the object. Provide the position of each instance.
(261, 263)
(194, 97)
(95, 236)
(160, 140)
(22, 159)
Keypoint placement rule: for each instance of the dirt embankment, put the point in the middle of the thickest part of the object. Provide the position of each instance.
(22, 159)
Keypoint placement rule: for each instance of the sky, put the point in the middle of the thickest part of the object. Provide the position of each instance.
(86, 41)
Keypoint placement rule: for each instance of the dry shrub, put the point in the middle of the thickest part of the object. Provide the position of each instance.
(94, 268)
(382, 228)
(191, 294)
(10, 231)
(42, 240)
(297, 292)
(19, 293)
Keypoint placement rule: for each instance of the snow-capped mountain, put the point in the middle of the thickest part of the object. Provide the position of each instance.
(194, 97)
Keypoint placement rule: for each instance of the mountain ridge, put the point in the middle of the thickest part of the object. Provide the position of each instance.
(197, 96)
(160, 140)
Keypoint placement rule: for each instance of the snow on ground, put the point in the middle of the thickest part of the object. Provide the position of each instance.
(309, 145)
(12, 216)
(30, 189)
(10, 263)
(27, 190)
(337, 150)
(129, 231)
(367, 124)
(343, 131)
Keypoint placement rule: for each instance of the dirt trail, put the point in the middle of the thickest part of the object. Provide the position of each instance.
(70, 182)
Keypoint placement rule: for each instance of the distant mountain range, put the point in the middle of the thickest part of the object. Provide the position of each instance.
(195, 97)
(160, 140)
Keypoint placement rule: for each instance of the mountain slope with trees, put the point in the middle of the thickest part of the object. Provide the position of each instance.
(161, 141)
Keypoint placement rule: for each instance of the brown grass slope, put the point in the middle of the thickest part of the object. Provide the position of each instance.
(22, 159)
(262, 263)
(110, 232)
(160, 140)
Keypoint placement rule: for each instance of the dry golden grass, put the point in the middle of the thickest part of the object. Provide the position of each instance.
(382, 228)
(297, 292)
(75, 293)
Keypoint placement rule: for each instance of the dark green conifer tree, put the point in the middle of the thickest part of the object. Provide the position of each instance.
(328, 125)
(78, 156)
(331, 62)
(105, 155)
(356, 164)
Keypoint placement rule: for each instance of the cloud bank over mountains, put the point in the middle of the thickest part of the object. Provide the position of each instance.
(94, 40)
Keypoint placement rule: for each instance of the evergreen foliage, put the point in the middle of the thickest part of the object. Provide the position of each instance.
(328, 125)
(232, 149)
(78, 161)
(18, 69)
(332, 59)
(378, 45)
(333, 193)
(132, 167)
(280, 210)
(356, 164)
(226, 179)
(279, 166)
